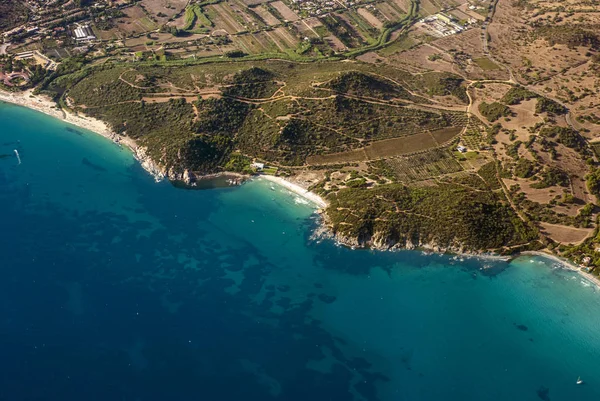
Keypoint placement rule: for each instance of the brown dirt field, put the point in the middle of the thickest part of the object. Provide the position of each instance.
(469, 42)
(349, 21)
(313, 22)
(266, 41)
(335, 43)
(223, 19)
(178, 22)
(249, 21)
(565, 234)
(524, 118)
(305, 30)
(253, 2)
(371, 57)
(571, 162)
(160, 6)
(491, 92)
(344, 157)
(390, 147)
(370, 18)
(400, 146)
(249, 44)
(269, 18)
(404, 5)
(387, 11)
(577, 81)
(285, 11)
(428, 7)
(460, 15)
(542, 196)
(417, 59)
(471, 13)
(110, 34)
(131, 24)
(286, 36)
(281, 45)
(207, 52)
(535, 59)
(443, 135)
(307, 178)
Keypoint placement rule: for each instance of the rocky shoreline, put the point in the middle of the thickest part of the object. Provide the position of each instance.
(47, 106)
(325, 231)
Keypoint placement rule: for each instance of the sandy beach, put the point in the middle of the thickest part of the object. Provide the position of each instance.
(297, 189)
(45, 105)
(567, 264)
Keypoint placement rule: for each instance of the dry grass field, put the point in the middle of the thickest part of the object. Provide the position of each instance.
(565, 234)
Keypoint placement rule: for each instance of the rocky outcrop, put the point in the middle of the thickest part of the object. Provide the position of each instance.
(141, 155)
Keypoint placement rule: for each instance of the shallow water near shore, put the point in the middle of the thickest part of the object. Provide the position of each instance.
(117, 287)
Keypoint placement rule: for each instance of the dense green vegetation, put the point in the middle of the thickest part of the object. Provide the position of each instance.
(516, 95)
(551, 176)
(360, 84)
(195, 16)
(445, 215)
(493, 111)
(571, 36)
(442, 84)
(545, 105)
(489, 173)
(268, 110)
(593, 182)
(566, 136)
(12, 14)
(524, 168)
(254, 83)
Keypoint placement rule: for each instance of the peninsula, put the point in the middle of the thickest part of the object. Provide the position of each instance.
(452, 126)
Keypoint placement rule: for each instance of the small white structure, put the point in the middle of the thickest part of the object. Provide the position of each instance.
(258, 166)
(461, 149)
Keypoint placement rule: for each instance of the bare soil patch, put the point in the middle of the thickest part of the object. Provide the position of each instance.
(370, 18)
(285, 11)
(269, 18)
(565, 234)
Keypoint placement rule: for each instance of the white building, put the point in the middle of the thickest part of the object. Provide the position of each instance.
(83, 32)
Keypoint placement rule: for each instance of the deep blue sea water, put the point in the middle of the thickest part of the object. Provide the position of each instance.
(114, 287)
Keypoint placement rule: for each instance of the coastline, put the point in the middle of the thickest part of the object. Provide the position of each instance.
(565, 264)
(45, 105)
(297, 189)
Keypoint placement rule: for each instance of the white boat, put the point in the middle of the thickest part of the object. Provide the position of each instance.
(579, 381)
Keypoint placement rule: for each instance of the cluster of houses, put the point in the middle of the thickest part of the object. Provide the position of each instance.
(319, 7)
(23, 29)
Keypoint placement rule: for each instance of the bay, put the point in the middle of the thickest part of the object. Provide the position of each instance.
(116, 287)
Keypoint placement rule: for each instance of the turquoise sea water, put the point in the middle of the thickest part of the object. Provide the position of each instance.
(114, 287)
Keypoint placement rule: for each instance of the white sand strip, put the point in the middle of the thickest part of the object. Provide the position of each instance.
(297, 189)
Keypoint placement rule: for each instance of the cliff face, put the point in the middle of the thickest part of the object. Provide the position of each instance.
(382, 243)
(158, 171)
(141, 154)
